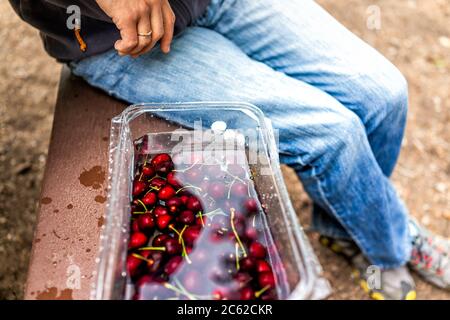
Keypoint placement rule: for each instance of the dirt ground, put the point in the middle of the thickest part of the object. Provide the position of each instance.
(414, 34)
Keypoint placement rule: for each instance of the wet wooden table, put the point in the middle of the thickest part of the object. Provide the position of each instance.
(70, 215)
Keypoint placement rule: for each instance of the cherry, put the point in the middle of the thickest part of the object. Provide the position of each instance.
(172, 246)
(194, 175)
(158, 182)
(144, 280)
(194, 204)
(222, 294)
(248, 264)
(262, 266)
(172, 265)
(201, 220)
(153, 291)
(164, 168)
(137, 239)
(257, 250)
(166, 193)
(220, 275)
(214, 171)
(161, 158)
(192, 280)
(200, 256)
(138, 187)
(154, 260)
(247, 293)
(148, 171)
(160, 240)
(163, 221)
(150, 199)
(242, 278)
(133, 264)
(174, 204)
(251, 233)
(146, 222)
(251, 205)
(266, 279)
(236, 170)
(174, 179)
(135, 226)
(191, 234)
(186, 217)
(239, 190)
(217, 190)
(160, 211)
(184, 199)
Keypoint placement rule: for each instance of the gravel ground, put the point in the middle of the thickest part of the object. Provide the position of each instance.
(414, 35)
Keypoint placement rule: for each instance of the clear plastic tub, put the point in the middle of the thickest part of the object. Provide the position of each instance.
(238, 141)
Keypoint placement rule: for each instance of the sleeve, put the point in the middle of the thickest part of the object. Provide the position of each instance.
(88, 8)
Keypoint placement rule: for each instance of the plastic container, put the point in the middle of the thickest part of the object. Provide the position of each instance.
(216, 133)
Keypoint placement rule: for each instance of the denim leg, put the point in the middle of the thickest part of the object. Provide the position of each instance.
(324, 141)
(302, 40)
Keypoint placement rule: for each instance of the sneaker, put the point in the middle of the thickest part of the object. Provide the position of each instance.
(430, 256)
(389, 284)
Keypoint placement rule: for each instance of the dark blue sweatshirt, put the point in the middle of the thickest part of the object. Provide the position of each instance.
(97, 29)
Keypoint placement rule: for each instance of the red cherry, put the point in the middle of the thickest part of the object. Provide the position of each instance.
(161, 158)
(158, 183)
(194, 175)
(263, 266)
(251, 233)
(248, 264)
(172, 246)
(236, 170)
(257, 250)
(163, 221)
(148, 171)
(213, 171)
(144, 280)
(217, 190)
(186, 217)
(154, 260)
(247, 293)
(150, 199)
(251, 205)
(194, 204)
(138, 188)
(164, 168)
(172, 265)
(137, 239)
(133, 265)
(201, 221)
(192, 280)
(160, 240)
(174, 179)
(160, 211)
(174, 204)
(191, 234)
(184, 199)
(239, 190)
(135, 226)
(166, 193)
(146, 222)
(266, 279)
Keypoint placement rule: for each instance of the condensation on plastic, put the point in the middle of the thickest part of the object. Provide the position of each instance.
(304, 272)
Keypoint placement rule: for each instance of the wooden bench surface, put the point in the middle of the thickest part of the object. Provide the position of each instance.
(70, 215)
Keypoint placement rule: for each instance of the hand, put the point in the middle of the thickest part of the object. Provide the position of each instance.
(140, 16)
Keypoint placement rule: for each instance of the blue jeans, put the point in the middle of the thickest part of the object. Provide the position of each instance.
(340, 106)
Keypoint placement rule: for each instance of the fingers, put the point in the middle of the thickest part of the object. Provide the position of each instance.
(128, 33)
(157, 25)
(143, 26)
(169, 24)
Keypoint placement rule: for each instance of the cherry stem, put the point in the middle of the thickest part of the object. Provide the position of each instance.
(232, 211)
(201, 217)
(186, 169)
(138, 256)
(260, 292)
(143, 204)
(181, 240)
(138, 212)
(187, 187)
(184, 293)
(236, 247)
(153, 248)
(229, 188)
